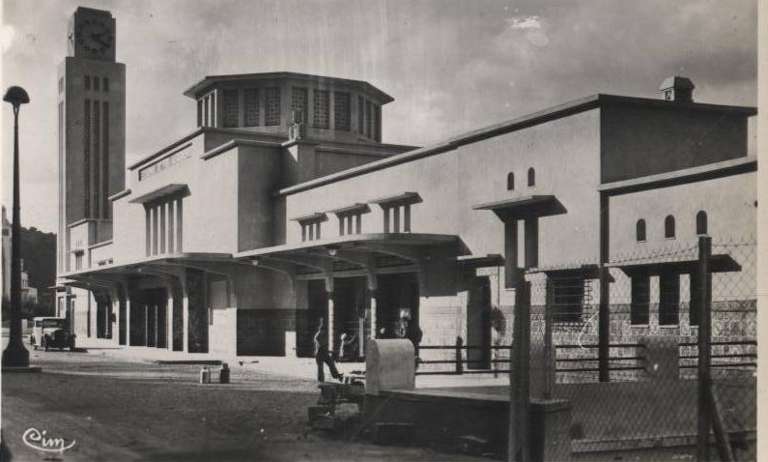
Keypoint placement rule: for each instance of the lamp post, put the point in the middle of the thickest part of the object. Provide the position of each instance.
(15, 355)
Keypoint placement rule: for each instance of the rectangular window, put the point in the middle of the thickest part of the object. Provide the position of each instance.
(369, 119)
(200, 112)
(97, 193)
(251, 97)
(272, 106)
(96, 84)
(155, 230)
(213, 116)
(231, 102)
(310, 230)
(105, 84)
(205, 112)
(164, 226)
(641, 298)
(669, 299)
(78, 261)
(87, 158)
(299, 97)
(162, 231)
(360, 115)
(377, 123)
(171, 232)
(341, 110)
(350, 223)
(568, 299)
(107, 205)
(148, 230)
(321, 117)
(87, 82)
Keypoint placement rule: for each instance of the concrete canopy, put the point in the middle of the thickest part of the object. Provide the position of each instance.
(524, 206)
(719, 263)
(359, 251)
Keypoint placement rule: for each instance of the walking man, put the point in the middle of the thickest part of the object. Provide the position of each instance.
(322, 355)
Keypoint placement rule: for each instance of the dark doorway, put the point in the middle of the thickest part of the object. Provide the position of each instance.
(307, 320)
(479, 324)
(198, 312)
(348, 317)
(103, 315)
(397, 295)
(149, 318)
(121, 315)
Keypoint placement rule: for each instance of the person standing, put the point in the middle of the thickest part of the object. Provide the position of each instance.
(322, 355)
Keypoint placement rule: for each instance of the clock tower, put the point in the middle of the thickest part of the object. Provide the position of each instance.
(91, 141)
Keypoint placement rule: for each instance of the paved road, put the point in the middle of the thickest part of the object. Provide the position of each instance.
(120, 411)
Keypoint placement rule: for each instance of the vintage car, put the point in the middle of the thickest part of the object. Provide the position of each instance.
(50, 332)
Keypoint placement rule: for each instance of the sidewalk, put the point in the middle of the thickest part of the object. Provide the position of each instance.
(304, 368)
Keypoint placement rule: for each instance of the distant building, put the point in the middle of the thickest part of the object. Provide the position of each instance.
(28, 294)
(284, 206)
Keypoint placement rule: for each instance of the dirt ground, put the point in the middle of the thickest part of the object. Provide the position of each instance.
(120, 411)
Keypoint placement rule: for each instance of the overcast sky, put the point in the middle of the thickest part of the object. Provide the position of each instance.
(451, 66)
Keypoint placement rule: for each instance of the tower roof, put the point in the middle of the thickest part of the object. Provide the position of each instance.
(209, 80)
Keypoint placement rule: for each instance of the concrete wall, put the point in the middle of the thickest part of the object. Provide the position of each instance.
(565, 155)
(729, 203)
(258, 172)
(640, 140)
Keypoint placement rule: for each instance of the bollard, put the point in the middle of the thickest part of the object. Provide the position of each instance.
(205, 375)
(224, 373)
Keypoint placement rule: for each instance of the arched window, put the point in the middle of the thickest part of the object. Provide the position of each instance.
(701, 222)
(640, 230)
(669, 227)
(510, 181)
(531, 177)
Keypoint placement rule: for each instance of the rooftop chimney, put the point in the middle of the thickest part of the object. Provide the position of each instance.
(677, 89)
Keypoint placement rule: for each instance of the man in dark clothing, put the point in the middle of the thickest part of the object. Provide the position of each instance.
(322, 355)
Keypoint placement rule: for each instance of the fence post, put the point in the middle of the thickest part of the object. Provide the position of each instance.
(519, 449)
(604, 325)
(549, 352)
(704, 296)
(459, 363)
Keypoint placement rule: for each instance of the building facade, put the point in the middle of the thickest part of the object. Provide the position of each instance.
(284, 206)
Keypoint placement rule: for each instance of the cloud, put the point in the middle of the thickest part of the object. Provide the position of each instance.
(524, 22)
(7, 36)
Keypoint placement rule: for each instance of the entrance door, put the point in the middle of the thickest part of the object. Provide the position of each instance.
(307, 320)
(153, 319)
(479, 324)
(397, 297)
(349, 311)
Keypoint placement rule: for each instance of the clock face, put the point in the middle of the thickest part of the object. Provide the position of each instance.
(94, 36)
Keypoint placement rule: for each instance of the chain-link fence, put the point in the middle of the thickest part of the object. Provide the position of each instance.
(655, 352)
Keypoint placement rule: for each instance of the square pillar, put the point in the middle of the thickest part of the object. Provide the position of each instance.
(510, 253)
(169, 319)
(331, 345)
(532, 242)
(127, 319)
(185, 320)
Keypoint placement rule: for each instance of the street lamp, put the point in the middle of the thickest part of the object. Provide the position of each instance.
(15, 355)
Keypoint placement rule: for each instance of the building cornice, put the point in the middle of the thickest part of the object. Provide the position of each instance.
(677, 177)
